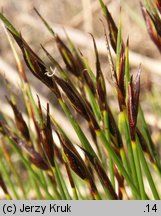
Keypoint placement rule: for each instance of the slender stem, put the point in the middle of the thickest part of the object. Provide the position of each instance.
(124, 125)
(77, 128)
(75, 195)
(107, 134)
(130, 151)
(117, 161)
(67, 195)
(54, 188)
(149, 139)
(147, 173)
(5, 171)
(35, 185)
(138, 170)
(94, 104)
(125, 160)
(13, 169)
(28, 166)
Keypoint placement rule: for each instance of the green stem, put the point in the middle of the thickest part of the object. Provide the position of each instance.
(35, 185)
(94, 104)
(57, 177)
(53, 186)
(28, 166)
(125, 160)
(8, 177)
(124, 128)
(16, 175)
(151, 146)
(77, 128)
(118, 162)
(138, 170)
(147, 173)
(107, 134)
(67, 195)
(75, 195)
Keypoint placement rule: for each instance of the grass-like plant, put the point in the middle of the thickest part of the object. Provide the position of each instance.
(122, 155)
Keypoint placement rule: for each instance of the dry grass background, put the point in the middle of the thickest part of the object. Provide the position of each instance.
(79, 17)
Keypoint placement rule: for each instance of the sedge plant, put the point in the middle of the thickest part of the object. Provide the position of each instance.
(121, 156)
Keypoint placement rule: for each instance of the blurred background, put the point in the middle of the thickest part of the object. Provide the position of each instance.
(78, 18)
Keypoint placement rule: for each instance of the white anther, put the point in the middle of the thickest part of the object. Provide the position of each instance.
(51, 72)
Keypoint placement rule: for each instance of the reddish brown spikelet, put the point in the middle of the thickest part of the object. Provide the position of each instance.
(153, 23)
(101, 88)
(39, 107)
(45, 136)
(53, 61)
(34, 156)
(103, 176)
(47, 139)
(36, 65)
(75, 161)
(101, 173)
(69, 176)
(78, 103)
(72, 63)
(133, 103)
(114, 129)
(111, 25)
(144, 145)
(73, 96)
(20, 123)
(121, 84)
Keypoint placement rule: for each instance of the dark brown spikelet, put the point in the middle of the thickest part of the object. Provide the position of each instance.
(104, 178)
(153, 23)
(78, 103)
(113, 31)
(34, 156)
(40, 108)
(75, 161)
(71, 59)
(20, 123)
(47, 139)
(69, 175)
(121, 84)
(3, 185)
(73, 96)
(101, 173)
(101, 88)
(114, 130)
(144, 145)
(117, 78)
(72, 63)
(101, 93)
(53, 61)
(133, 103)
(36, 65)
